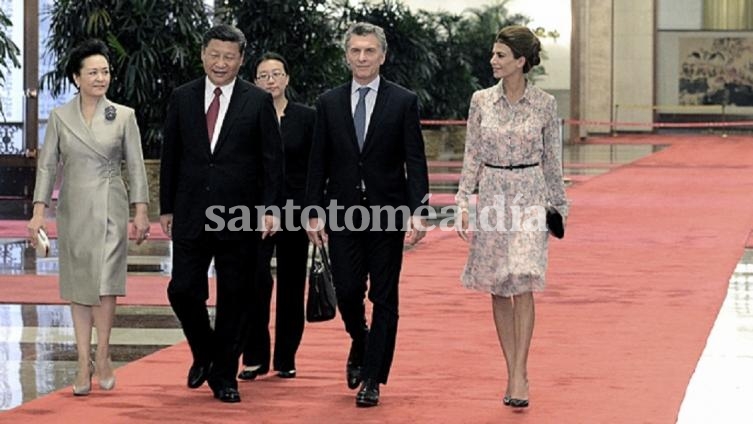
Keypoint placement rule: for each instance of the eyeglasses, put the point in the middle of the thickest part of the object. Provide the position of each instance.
(274, 75)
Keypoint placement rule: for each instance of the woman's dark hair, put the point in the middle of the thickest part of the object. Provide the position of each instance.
(76, 59)
(224, 32)
(272, 56)
(523, 42)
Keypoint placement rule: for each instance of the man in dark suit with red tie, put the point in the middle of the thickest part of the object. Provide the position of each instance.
(221, 158)
(368, 156)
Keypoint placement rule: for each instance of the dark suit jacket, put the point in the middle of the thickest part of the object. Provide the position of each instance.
(245, 168)
(297, 128)
(392, 164)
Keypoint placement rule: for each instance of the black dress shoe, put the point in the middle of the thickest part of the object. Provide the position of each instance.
(228, 394)
(519, 403)
(197, 375)
(353, 375)
(286, 374)
(368, 395)
(506, 400)
(250, 374)
(353, 367)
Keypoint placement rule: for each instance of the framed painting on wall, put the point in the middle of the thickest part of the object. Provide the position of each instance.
(715, 71)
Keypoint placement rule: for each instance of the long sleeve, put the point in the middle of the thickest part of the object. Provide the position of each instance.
(415, 158)
(272, 155)
(471, 159)
(169, 161)
(134, 158)
(317, 161)
(47, 165)
(552, 161)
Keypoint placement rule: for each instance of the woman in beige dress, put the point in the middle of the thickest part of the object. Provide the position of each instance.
(89, 138)
(513, 153)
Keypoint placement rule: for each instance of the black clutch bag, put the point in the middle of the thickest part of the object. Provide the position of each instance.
(321, 304)
(554, 223)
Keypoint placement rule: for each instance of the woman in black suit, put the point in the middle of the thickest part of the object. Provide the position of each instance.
(296, 126)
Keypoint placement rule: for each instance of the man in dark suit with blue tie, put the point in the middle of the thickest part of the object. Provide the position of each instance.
(221, 158)
(367, 156)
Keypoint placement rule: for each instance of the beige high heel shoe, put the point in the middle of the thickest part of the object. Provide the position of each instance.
(87, 388)
(107, 383)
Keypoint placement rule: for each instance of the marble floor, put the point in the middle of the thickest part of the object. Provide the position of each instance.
(722, 384)
(37, 342)
(38, 351)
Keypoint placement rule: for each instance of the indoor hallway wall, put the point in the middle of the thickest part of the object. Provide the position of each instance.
(633, 63)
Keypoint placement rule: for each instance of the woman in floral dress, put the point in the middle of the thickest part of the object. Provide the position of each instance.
(512, 152)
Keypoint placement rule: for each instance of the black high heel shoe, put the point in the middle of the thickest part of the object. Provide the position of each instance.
(286, 374)
(519, 403)
(506, 400)
(251, 372)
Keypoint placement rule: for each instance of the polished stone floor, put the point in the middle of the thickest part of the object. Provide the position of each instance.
(37, 351)
(37, 342)
(722, 384)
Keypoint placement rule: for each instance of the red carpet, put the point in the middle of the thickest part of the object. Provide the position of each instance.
(634, 289)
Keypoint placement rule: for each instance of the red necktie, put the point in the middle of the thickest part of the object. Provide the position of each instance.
(212, 112)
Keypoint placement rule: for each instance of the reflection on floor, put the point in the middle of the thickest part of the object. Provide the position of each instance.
(37, 341)
(721, 387)
(38, 348)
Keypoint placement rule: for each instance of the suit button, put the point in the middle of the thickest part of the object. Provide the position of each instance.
(211, 165)
(360, 164)
(206, 188)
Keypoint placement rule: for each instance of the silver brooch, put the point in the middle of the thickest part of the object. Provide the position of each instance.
(110, 113)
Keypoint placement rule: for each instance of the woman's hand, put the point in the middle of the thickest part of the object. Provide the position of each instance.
(140, 225)
(36, 223)
(461, 224)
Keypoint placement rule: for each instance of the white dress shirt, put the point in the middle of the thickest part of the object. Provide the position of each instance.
(227, 92)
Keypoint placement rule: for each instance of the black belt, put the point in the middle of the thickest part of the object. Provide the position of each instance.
(525, 165)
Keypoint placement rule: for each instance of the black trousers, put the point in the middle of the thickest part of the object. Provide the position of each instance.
(291, 249)
(375, 256)
(188, 292)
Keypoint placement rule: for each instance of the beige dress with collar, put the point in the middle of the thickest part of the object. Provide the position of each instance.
(93, 202)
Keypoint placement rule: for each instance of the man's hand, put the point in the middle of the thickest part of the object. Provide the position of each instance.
(271, 226)
(317, 235)
(166, 222)
(416, 230)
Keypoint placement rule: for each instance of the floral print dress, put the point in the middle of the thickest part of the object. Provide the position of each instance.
(508, 247)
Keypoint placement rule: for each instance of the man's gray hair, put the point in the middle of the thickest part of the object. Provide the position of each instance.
(365, 28)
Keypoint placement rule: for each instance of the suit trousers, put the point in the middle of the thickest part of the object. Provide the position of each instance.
(291, 249)
(375, 256)
(188, 292)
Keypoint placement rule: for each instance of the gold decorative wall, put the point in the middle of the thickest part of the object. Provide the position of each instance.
(727, 14)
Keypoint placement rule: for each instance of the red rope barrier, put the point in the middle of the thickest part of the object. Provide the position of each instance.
(456, 122)
(663, 124)
(443, 122)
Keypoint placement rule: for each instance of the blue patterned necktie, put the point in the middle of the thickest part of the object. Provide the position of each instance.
(359, 117)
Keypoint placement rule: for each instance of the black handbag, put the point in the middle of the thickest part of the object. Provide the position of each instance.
(321, 304)
(554, 223)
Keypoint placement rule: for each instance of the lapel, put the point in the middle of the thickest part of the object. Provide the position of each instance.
(199, 115)
(377, 115)
(345, 104)
(237, 101)
(71, 116)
